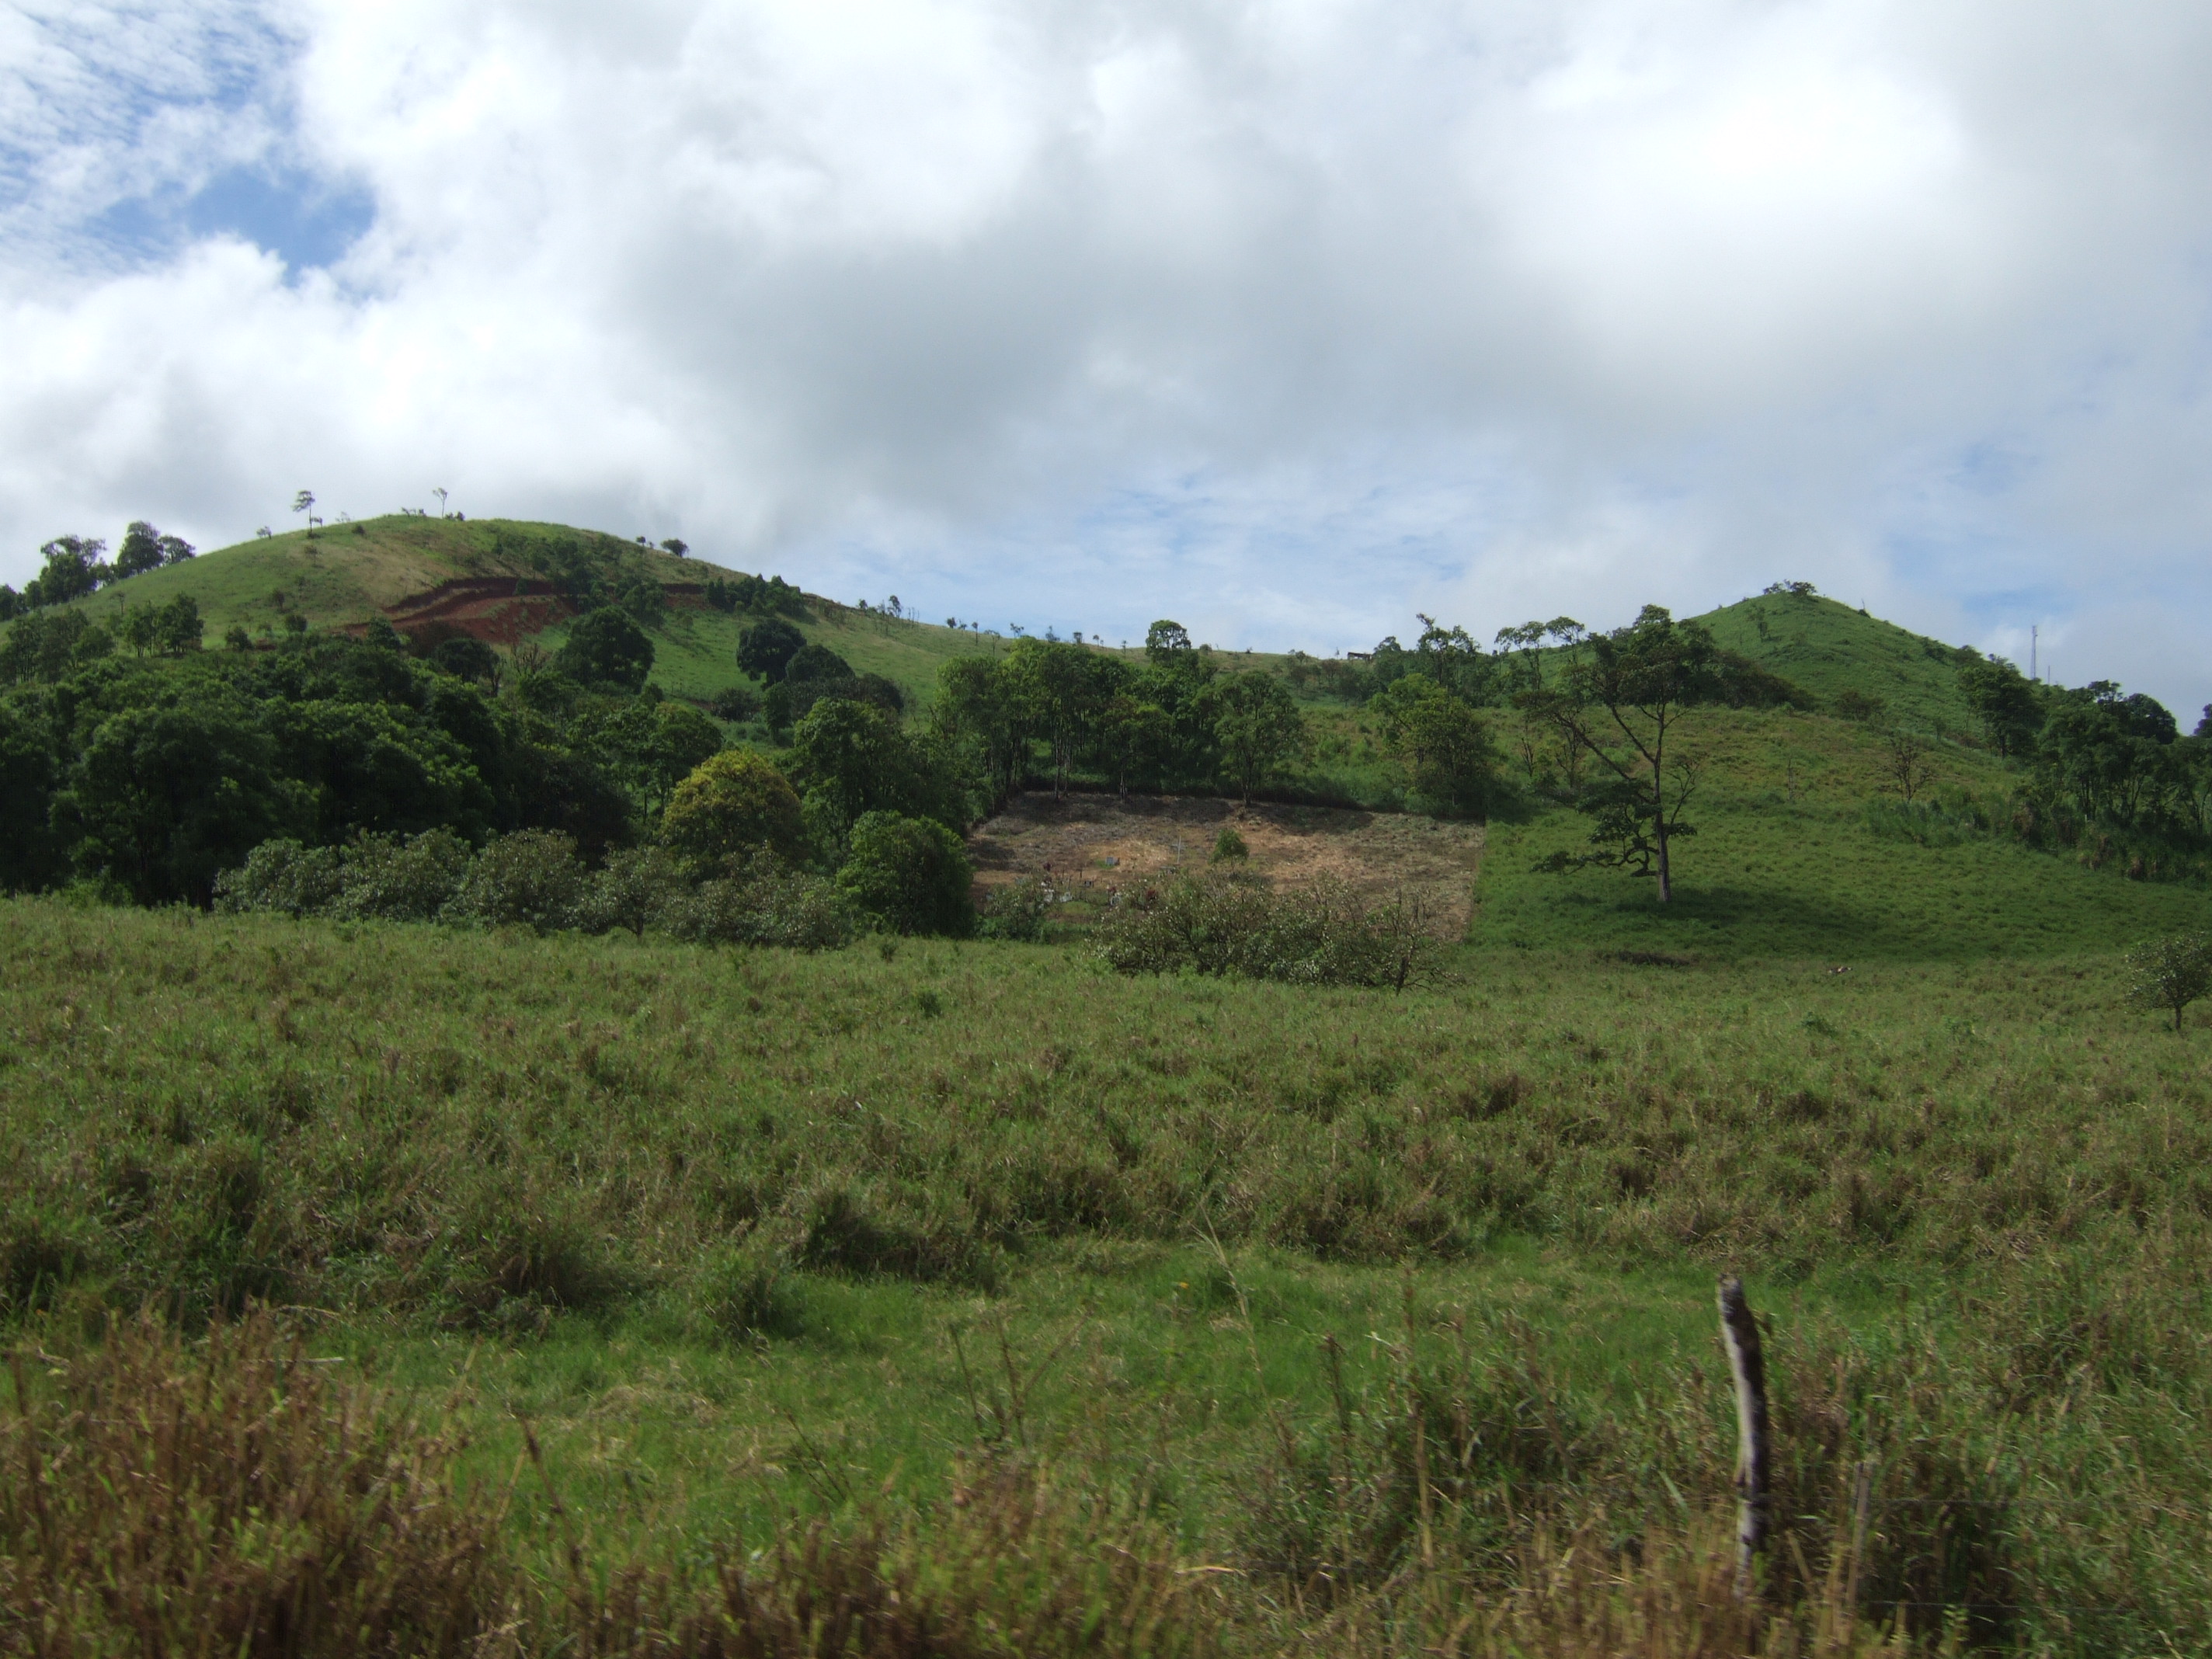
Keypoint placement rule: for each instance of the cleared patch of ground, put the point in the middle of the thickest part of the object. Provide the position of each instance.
(1092, 847)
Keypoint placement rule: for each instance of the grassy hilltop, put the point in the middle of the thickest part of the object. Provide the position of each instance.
(1830, 649)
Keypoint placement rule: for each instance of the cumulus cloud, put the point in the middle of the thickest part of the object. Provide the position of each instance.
(1290, 318)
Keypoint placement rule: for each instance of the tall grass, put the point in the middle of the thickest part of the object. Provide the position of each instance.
(238, 1499)
(754, 1162)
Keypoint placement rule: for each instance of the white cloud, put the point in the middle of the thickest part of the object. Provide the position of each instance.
(1293, 318)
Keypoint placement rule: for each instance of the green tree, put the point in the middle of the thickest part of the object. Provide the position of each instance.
(1627, 695)
(140, 629)
(1134, 736)
(684, 739)
(2004, 700)
(734, 801)
(359, 766)
(141, 550)
(1167, 645)
(2171, 974)
(1257, 723)
(388, 877)
(30, 854)
(74, 566)
(912, 874)
(606, 648)
(849, 759)
(977, 705)
(466, 658)
(1444, 746)
(178, 629)
(164, 797)
(766, 647)
(817, 662)
(1060, 688)
(636, 889)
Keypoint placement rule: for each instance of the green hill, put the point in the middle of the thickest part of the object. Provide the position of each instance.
(349, 572)
(1829, 649)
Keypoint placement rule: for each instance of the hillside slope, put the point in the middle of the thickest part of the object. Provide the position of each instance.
(347, 573)
(1829, 649)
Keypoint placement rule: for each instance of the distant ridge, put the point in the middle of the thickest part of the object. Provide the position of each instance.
(489, 577)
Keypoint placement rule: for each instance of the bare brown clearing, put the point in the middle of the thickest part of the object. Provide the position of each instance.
(1096, 845)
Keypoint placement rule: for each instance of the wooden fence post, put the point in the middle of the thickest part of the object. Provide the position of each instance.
(1754, 1444)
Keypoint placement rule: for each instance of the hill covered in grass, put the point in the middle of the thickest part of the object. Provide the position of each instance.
(1832, 650)
(338, 578)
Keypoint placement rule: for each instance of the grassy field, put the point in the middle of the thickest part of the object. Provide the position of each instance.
(751, 1238)
(618, 1295)
(1785, 864)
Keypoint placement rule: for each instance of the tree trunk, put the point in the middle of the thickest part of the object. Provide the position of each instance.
(1659, 831)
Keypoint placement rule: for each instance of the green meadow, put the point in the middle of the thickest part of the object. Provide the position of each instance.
(1187, 1249)
(389, 1287)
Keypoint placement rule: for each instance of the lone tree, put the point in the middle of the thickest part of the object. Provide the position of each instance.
(1905, 759)
(1624, 700)
(767, 647)
(2171, 974)
(606, 648)
(305, 502)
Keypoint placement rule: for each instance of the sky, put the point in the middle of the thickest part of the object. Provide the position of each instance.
(1287, 320)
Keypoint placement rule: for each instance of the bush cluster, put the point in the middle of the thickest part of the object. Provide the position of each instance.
(533, 879)
(1235, 925)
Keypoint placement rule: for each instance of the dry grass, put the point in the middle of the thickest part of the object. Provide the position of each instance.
(237, 1499)
(1094, 847)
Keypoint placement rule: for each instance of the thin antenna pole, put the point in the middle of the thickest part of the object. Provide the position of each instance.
(2034, 639)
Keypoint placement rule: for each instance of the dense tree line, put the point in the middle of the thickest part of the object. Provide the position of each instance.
(1177, 719)
(78, 565)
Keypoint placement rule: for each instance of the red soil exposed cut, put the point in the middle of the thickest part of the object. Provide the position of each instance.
(1091, 846)
(502, 610)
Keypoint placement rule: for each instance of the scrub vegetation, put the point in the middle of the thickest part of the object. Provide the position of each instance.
(508, 1153)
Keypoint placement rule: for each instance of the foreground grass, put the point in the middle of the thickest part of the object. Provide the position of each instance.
(749, 1239)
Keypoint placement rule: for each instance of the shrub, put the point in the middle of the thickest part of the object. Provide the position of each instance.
(732, 803)
(283, 876)
(735, 703)
(745, 1288)
(394, 879)
(1233, 926)
(1016, 911)
(1227, 845)
(1926, 824)
(2171, 974)
(911, 874)
(228, 1497)
(764, 900)
(637, 890)
(532, 877)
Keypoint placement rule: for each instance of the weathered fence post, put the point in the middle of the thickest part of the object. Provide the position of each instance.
(1753, 1445)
